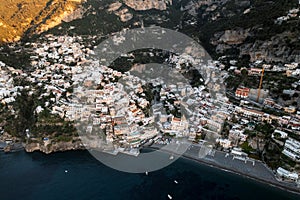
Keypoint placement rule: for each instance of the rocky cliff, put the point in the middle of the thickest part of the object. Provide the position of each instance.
(264, 30)
(33, 16)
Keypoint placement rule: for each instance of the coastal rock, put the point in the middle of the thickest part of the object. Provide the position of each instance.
(7, 149)
(5, 136)
(53, 147)
(32, 147)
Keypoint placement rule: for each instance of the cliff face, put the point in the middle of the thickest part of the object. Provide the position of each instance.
(264, 30)
(278, 48)
(32, 16)
(234, 36)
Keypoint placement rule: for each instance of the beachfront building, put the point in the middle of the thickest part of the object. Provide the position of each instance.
(237, 135)
(238, 152)
(225, 143)
(292, 149)
(287, 174)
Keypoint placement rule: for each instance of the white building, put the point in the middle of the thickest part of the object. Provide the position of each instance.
(292, 149)
(225, 143)
(282, 134)
(287, 174)
(238, 152)
(249, 113)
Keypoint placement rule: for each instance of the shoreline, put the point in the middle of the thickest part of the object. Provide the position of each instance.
(278, 185)
(210, 163)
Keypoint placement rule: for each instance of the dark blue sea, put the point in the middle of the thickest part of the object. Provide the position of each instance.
(38, 176)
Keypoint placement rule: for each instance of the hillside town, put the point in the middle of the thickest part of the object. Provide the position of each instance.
(128, 112)
(154, 99)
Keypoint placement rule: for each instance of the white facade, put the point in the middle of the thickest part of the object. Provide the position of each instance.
(292, 149)
(287, 174)
(282, 134)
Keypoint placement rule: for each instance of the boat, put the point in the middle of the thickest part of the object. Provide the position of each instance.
(175, 181)
(66, 171)
(170, 197)
(146, 173)
(171, 157)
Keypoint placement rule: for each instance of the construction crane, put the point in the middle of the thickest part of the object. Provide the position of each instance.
(260, 83)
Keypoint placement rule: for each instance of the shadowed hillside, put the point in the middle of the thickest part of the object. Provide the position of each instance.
(20, 16)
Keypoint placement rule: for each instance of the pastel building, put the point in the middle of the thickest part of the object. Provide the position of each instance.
(242, 92)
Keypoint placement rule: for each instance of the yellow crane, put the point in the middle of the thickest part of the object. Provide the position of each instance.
(260, 83)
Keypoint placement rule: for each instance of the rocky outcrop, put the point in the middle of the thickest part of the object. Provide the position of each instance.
(114, 6)
(231, 37)
(77, 14)
(148, 4)
(61, 12)
(228, 38)
(192, 7)
(122, 13)
(53, 147)
(276, 49)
